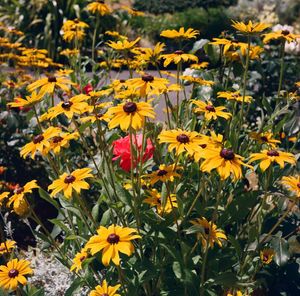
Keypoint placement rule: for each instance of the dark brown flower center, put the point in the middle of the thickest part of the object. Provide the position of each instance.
(179, 52)
(264, 139)
(298, 185)
(99, 115)
(285, 32)
(203, 146)
(265, 258)
(147, 78)
(82, 258)
(113, 239)
(19, 190)
(57, 139)
(122, 80)
(69, 179)
(206, 230)
(161, 173)
(52, 79)
(183, 138)
(227, 154)
(273, 153)
(76, 21)
(13, 273)
(210, 108)
(38, 139)
(2, 249)
(130, 107)
(66, 105)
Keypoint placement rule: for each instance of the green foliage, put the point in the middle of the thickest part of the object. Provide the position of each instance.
(171, 6)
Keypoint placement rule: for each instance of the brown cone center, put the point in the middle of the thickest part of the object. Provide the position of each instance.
(37, 139)
(298, 185)
(69, 179)
(264, 139)
(227, 154)
(273, 153)
(161, 173)
(52, 79)
(67, 105)
(183, 138)
(210, 108)
(13, 273)
(179, 52)
(147, 78)
(19, 190)
(130, 107)
(285, 32)
(113, 239)
(57, 139)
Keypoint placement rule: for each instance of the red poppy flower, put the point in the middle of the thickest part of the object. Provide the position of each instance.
(122, 151)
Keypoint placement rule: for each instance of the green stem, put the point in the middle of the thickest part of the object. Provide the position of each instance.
(94, 37)
(281, 67)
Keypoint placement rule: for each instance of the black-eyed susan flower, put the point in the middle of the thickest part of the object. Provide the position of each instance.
(19, 193)
(266, 256)
(75, 105)
(210, 111)
(48, 85)
(180, 34)
(149, 85)
(208, 233)
(181, 141)
(7, 246)
(228, 44)
(199, 66)
(155, 200)
(282, 34)
(177, 57)
(164, 173)
(105, 290)
(149, 55)
(123, 45)
(196, 80)
(79, 259)
(133, 11)
(28, 101)
(68, 182)
(237, 293)
(111, 241)
(234, 95)
(3, 196)
(22, 209)
(265, 138)
(292, 183)
(13, 273)
(62, 141)
(40, 143)
(225, 161)
(267, 157)
(130, 114)
(99, 7)
(250, 28)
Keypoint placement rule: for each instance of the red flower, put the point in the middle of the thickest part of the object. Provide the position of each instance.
(88, 88)
(122, 150)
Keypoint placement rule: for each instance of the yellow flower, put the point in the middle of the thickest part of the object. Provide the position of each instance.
(130, 114)
(75, 105)
(180, 34)
(238, 293)
(266, 256)
(269, 156)
(197, 80)
(199, 66)
(40, 143)
(177, 57)
(209, 233)
(233, 95)
(30, 100)
(68, 182)
(155, 201)
(164, 173)
(293, 183)
(22, 208)
(3, 196)
(149, 85)
(64, 72)
(62, 141)
(111, 241)
(225, 161)
(13, 273)
(48, 85)
(229, 44)
(181, 141)
(19, 193)
(250, 28)
(105, 290)
(78, 260)
(123, 45)
(75, 24)
(149, 55)
(265, 138)
(69, 52)
(7, 246)
(99, 7)
(132, 11)
(283, 35)
(210, 112)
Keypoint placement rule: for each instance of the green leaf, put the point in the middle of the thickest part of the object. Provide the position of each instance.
(76, 284)
(280, 247)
